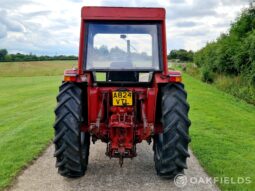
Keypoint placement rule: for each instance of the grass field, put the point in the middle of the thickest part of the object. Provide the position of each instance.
(26, 112)
(38, 68)
(223, 128)
(223, 133)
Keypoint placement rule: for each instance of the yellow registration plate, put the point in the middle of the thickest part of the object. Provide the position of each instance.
(122, 98)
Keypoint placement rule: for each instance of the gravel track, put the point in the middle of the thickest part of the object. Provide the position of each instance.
(105, 174)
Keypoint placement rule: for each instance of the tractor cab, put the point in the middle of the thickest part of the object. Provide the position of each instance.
(122, 93)
(120, 51)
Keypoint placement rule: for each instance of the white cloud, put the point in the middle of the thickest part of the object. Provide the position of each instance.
(3, 31)
(52, 27)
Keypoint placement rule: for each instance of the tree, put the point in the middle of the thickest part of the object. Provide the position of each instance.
(182, 55)
(3, 53)
(232, 53)
(172, 55)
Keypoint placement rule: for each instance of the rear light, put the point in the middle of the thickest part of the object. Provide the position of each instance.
(175, 79)
(70, 78)
(70, 75)
(175, 76)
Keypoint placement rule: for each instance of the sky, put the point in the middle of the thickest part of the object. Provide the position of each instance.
(48, 27)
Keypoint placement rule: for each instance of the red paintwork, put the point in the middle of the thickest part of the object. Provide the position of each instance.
(122, 13)
(121, 131)
(122, 127)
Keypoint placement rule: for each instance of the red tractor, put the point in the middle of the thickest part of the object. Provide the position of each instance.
(122, 93)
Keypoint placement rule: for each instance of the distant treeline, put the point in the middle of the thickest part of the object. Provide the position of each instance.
(232, 53)
(105, 53)
(181, 55)
(5, 57)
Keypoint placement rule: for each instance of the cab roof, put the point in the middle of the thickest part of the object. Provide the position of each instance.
(123, 13)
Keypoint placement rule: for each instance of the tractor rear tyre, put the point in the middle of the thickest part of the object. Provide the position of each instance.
(71, 145)
(171, 146)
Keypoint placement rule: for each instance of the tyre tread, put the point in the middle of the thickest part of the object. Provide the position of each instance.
(173, 144)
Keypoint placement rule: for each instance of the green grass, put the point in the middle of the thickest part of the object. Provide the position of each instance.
(37, 68)
(237, 86)
(223, 133)
(223, 128)
(26, 113)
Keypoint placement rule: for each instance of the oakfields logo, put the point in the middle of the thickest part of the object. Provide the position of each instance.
(181, 180)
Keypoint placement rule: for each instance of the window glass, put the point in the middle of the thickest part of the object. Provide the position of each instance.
(122, 47)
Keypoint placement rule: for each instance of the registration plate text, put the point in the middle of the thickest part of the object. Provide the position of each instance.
(122, 98)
